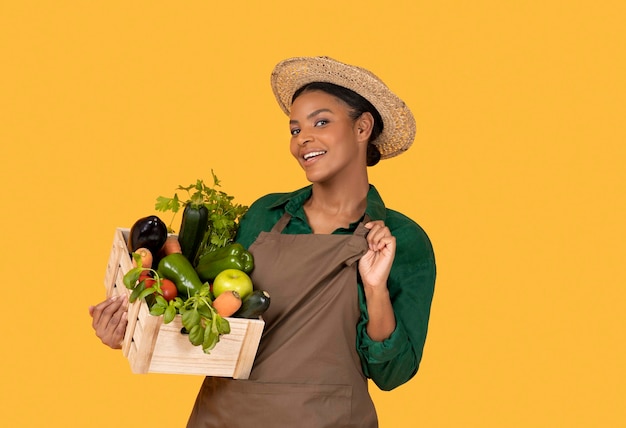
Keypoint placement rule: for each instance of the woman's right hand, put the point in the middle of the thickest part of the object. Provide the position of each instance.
(110, 319)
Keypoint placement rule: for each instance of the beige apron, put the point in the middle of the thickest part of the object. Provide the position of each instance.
(307, 372)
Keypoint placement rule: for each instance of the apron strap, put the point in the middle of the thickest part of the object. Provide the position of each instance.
(282, 223)
(358, 242)
(361, 230)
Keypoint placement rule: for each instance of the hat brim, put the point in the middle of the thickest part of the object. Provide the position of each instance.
(398, 122)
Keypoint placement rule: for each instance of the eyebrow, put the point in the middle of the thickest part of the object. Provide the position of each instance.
(313, 114)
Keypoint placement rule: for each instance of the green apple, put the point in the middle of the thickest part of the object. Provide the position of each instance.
(234, 280)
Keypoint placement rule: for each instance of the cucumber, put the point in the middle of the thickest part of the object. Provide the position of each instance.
(254, 305)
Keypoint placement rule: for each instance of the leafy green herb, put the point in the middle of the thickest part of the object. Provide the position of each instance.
(224, 214)
(201, 320)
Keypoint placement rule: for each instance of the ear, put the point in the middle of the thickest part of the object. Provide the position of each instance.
(364, 125)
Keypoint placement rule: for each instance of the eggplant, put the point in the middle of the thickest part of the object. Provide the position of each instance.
(148, 232)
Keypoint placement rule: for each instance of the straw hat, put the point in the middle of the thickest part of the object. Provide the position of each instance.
(398, 122)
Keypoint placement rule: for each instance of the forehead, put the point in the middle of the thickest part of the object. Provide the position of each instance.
(310, 101)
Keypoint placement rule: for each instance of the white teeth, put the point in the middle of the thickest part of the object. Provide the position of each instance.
(313, 154)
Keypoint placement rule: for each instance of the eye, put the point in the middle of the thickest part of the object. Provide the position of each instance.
(294, 131)
(321, 122)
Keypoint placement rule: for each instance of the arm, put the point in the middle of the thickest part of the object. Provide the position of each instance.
(395, 359)
(374, 269)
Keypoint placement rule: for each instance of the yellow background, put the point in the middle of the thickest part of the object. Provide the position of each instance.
(517, 174)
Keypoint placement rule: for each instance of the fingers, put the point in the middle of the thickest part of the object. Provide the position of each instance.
(103, 311)
(110, 319)
(379, 236)
(375, 265)
(117, 336)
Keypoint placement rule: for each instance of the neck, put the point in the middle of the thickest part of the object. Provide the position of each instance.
(346, 197)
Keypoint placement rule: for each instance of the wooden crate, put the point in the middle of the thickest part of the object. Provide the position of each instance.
(154, 347)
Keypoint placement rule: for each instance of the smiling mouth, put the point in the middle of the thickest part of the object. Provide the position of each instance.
(313, 155)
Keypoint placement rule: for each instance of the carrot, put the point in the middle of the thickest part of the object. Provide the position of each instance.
(171, 245)
(227, 303)
(146, 257)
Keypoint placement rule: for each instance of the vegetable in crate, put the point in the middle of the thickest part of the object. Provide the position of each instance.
(224, 214)
(232, 256)
(227, 303)
(171, 245)
(144, 259)
(147, 232)
(177, 268)
(193, 227)
(254, 305)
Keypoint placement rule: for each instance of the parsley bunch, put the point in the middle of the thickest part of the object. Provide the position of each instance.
(224, 214)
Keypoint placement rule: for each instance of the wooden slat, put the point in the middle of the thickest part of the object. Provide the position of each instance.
(145, 338)
(250, 345)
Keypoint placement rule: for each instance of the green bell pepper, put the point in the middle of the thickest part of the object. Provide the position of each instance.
(232, 256)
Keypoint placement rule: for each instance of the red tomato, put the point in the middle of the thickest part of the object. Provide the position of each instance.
(169, 289)
(147, 278)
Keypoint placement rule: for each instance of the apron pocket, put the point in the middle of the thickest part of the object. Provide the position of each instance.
(245, 404)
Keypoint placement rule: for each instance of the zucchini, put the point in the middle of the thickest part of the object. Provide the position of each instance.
(193, 226)
(254, 305)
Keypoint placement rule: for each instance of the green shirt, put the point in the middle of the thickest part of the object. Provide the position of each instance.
(395, 360)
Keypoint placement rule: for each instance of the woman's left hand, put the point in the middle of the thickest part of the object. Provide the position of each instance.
(375, 265)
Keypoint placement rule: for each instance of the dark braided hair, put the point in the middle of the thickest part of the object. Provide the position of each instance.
(357, 104)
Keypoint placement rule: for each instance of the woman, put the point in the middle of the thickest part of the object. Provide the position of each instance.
(351, 281)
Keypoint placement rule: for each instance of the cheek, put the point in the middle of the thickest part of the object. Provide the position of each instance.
(293, 148)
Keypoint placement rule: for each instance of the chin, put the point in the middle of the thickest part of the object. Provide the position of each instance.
(318, 178)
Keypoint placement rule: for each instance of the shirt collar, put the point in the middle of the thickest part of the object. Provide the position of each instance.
(294, 201)
(375, 206)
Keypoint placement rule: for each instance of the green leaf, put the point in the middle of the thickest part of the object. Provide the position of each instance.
(210, 340)
(146, 292)
(204, 291)
(161, 300)
(131, 277)
(167, 204)
(137, 292)
(190, 319)
(196, 335)
(170, 314)
(178, 302)
(223, 326)
(157, 310)
(137, 259)
(205, 311)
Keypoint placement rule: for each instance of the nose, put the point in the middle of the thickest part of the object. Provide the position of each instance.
(303, 139)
